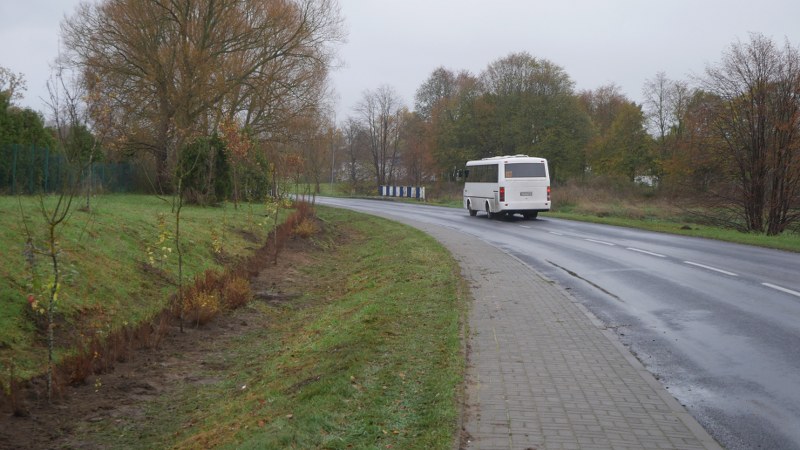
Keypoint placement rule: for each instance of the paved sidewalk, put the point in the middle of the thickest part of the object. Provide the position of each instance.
(544, 374)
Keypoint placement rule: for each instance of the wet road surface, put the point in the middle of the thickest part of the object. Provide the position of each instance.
(717, 323)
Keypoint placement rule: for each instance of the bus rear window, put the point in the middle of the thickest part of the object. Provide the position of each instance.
(525, 170)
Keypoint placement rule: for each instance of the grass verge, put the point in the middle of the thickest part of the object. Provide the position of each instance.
(368, 355)
(118, 266)
(787, 241)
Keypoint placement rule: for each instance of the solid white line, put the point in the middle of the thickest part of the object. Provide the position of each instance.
(525, 226)
(782, 289)
(553, 232)
(646, 252)
(711, 268)
(601, 242)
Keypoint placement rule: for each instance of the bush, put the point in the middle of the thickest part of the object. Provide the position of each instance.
(206, 172)
(201, 307)
(306, 228)
(201, 300)
(236, 292)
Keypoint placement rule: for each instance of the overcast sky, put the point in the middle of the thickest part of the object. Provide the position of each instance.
(400, 42)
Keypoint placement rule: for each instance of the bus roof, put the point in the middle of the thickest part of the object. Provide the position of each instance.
(504, 158)
(507, 156)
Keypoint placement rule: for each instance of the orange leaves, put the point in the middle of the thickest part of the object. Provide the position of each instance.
(213, 292)
(294, 162)
(237, 143)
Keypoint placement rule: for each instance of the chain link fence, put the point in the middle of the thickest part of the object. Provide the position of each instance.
(27, 170)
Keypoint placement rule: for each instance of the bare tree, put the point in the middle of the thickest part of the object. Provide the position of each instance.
(657, 105)
(758, 122)
(356, 145)
(665, 106)
(55, 216)
(79, 123)
(381, 113)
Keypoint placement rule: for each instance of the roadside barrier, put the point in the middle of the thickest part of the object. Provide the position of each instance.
(402, 191)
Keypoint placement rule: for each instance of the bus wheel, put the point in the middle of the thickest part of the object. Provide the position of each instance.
(472, 212)
(489, 213)
(531, 215)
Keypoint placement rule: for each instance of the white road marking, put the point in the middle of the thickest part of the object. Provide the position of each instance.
(782, 289)
(525, 226)
(646, 252)
(600, 242)
(711, 268)
(553, 232)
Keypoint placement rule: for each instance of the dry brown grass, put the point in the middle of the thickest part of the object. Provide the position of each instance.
(306, 228)
(236, 292)
(603, 198)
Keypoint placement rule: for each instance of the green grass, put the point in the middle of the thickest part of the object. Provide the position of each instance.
(325, 189)
(369, 357)
(102, 256)
(787, 241)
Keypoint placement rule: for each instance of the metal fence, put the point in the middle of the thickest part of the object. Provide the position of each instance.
(31, 170)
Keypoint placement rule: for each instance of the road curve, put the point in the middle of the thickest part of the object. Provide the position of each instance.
(716, 323)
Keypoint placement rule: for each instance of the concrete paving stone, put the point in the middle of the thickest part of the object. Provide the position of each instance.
(541, 372)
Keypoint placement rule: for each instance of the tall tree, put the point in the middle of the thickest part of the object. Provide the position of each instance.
(620, 147)
(417, 157)
(382, 114)
(12, 85)
(532, 109)
(623, 150)
(20, 127)
(447, 102)
(692, 165)
(657, 98)
(758, 122)
(603, 105)
(171, 70)
(439, 87)
(356, 146)
(665, 106)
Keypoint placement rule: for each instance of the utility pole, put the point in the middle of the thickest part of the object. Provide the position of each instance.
(332, 132)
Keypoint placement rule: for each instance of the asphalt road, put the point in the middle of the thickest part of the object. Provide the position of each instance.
(717, 323)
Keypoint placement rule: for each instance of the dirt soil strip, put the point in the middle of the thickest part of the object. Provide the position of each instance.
(122, 394)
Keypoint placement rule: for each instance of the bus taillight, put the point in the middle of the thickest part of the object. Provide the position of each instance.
(502, 194)
(548, 193)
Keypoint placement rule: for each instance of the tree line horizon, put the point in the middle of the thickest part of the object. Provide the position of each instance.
(235, 95)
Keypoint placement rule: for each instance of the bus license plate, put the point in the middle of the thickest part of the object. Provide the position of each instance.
(526, 194)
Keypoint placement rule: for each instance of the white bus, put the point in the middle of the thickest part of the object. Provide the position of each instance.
(508, 185)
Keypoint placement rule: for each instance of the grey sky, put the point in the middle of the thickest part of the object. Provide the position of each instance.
(400, 42)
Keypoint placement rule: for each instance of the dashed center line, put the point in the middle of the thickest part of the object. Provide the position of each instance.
(782, 289)
(600, 242)
(702, 266)
(711, 268)
(646, 252)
